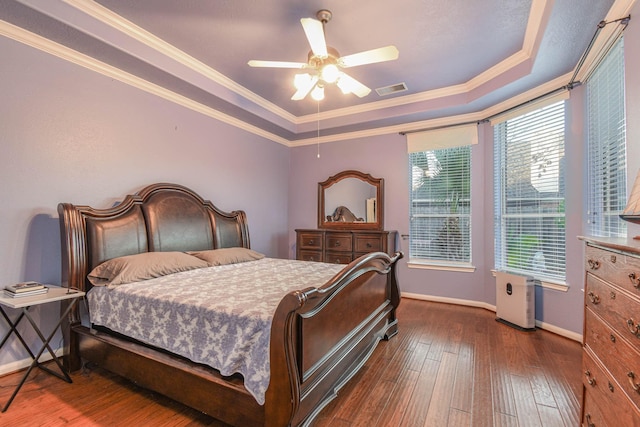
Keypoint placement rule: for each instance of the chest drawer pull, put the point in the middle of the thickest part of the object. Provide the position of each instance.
(595, 299)
(633, 328)
(337, 243)
(310, 242)
(610, 387)
(588, 420)
(635, 280)
(590, 380)
(594, 265)
(634, 385)
(612, 338)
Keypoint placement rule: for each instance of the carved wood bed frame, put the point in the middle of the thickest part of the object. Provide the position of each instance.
(320, 337)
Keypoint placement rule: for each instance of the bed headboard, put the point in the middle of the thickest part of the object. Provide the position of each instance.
(160, 217)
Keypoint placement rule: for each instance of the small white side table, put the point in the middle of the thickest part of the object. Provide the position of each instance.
(55, 293)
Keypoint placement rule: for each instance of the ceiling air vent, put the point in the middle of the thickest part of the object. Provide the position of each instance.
(388, 90)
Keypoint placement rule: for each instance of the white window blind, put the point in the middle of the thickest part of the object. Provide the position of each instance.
(529, 213)
(440, 226)
(607, 159)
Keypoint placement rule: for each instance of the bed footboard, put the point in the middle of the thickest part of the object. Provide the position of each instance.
(321, 337)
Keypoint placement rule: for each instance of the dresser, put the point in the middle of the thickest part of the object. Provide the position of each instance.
(342, 246)
(611, 340)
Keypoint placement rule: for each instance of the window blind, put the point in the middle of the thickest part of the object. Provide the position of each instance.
(529, 213)
(606, 151)
(440, 211)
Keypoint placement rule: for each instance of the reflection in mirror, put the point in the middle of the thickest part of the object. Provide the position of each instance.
(351, 199)
(347, 201)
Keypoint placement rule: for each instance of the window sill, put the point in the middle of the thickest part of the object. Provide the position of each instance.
(444, 266)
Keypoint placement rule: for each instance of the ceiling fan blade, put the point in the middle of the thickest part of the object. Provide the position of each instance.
(381, 54)
(314, 31)
(348, 84)
(276, 64)
(305, 88)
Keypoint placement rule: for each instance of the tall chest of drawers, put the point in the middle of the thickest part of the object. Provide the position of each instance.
(342, 246)
(611, 339)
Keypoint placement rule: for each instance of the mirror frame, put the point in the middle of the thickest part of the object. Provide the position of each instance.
(378, 183)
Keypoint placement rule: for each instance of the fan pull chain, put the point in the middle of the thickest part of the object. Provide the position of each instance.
(318, 137)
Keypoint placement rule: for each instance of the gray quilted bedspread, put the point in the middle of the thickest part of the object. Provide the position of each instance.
(218, 316)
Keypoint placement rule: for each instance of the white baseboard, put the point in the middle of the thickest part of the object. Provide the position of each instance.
(469, 303)
(17, 365)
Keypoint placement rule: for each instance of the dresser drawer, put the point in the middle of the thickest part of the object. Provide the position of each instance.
(307, 255)
(365, 243)
(604, 401)
(592, 415)
(310, 240)
(617, 308)
(622, 361)
(620, 269)
(338, 242)
(338, 257)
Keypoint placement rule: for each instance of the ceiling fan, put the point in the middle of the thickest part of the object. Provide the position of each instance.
(324, 63)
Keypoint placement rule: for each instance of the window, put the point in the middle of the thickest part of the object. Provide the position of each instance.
(607, 159)
(529, 214)
(440, 226)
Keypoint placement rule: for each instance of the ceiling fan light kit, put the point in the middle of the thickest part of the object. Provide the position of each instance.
(324, 63)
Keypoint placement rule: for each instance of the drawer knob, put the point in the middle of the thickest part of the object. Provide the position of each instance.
(311, 242)
(634, 385)
(635, 280)
(612, 338)
(590, 380)
(337, 243)
(588, 420)
(594, 265)
(595, 299)
(633, 328)
(369, 245)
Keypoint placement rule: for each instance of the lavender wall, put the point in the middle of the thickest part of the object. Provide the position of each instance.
(70, 135)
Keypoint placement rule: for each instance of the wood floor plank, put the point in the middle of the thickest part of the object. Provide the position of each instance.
(440, 405)
(459, 418)
(462, 396)
(550, 416)
(526, 408)
(540, 386)
(416, 412)
(448, 364)
(482, 405)
(400, 398)
(502, 394)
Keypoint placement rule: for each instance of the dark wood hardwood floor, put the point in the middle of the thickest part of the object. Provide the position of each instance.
(449, 366)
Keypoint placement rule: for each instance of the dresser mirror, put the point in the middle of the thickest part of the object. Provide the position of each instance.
(351, 199)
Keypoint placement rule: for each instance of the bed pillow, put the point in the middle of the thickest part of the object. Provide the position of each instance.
(147, 265)
(225, 256)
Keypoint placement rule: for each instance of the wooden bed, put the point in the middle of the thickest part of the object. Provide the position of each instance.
(320, 337)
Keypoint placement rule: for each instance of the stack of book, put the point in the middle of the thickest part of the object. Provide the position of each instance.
(26, 289)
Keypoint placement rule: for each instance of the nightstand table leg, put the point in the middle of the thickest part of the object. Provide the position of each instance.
(45, 346)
